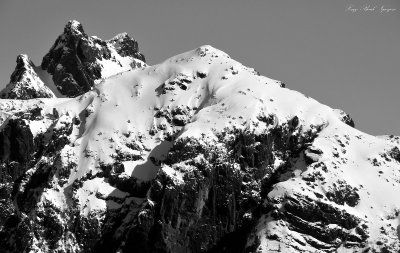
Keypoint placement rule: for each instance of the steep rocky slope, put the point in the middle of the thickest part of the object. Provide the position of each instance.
(196, 154)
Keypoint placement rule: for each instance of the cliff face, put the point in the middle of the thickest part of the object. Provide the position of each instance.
(196, 154)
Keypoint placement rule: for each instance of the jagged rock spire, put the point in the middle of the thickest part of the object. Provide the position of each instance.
(24, 63)
(75, 63)
(25, 82)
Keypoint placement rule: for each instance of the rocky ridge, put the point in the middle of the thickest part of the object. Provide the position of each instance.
(202, 155)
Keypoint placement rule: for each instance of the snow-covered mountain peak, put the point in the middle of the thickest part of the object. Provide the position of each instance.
(25, 82)
(208, 49)
(24, 63)
(119, 36)
(24, 59)
(196, 154)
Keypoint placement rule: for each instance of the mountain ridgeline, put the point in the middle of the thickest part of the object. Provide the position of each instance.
(100, 152)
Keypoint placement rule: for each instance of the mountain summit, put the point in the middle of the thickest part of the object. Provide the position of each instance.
(196, 154)
(73, 28)
(75, 63)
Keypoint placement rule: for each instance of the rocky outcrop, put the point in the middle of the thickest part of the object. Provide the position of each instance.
(77, 60)
(126, 46)
(16, 141)
(345, 117)
(25, 82)
(322, 225)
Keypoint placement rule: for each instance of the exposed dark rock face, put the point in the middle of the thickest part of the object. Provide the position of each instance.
(16, 142)
(329, 225)
(343, 193)
(16, 149)
(73, 59)
(25, 82)
(215, 198)
(27, 165)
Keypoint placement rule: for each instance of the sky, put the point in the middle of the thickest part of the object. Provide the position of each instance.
(343, 53)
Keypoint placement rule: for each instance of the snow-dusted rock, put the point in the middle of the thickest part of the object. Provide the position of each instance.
(25, 82)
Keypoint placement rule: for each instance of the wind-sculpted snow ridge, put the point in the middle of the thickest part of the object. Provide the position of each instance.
(196, 154)
(73, 65)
